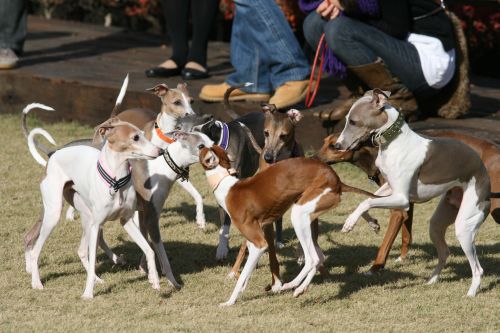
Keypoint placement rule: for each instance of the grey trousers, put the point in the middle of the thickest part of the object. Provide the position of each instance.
(13, 20)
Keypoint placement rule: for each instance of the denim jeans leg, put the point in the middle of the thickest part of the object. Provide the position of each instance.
(313, 27)
(357, 43)
(263, 48)
(13, 19)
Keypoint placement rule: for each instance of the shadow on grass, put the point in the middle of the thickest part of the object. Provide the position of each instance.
(188, 210)
(185, 258)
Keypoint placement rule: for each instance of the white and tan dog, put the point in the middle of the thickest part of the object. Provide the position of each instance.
(417, 169)
(101, 191)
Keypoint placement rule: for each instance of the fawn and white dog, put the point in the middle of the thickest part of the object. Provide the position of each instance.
(102, 191)
(90, 193)
(417, 169)
(309, 186)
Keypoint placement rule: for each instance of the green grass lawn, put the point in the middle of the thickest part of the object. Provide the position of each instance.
(396, 300)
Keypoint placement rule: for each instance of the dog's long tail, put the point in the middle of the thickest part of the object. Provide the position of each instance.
(254, 143)
(119, 99)
(33, 144)
(347, 188)
(227, 94)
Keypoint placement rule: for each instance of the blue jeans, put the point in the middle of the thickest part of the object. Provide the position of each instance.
(264, 50)
(13, 24)
(357, 43)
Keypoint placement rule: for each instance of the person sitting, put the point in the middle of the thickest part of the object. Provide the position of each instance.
(406, 47)
(265, 52)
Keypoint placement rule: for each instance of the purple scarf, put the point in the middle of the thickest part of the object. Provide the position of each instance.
(332, 64)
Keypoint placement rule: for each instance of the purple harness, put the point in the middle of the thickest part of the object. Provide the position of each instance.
(224, 136)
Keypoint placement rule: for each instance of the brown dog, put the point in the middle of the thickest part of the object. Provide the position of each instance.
(307, 186)
(364, 158)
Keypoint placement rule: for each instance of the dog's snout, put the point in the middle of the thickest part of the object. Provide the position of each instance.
(161, 152)
(337, 146)
(268, 157)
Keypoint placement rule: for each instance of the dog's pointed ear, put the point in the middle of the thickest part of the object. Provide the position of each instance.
(379, 97)
(268, 107)
(103, 130)
(182, 86)
(159, 90)
(294, 115)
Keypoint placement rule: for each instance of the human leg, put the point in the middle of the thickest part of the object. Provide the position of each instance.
(13, 22)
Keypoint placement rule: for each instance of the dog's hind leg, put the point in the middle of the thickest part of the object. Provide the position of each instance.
(151, 218)
(223, 246)
(200, 214)
(442, 218)
(255, 251)
(471, 215)
(273, 260)
(51, 188)
(134, 233)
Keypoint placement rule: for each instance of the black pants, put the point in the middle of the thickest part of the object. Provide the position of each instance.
(13, 24)
(203, 14)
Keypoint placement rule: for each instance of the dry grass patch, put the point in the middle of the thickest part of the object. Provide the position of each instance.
(396, 300)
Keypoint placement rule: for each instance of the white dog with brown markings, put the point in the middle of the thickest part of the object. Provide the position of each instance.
(417, 169)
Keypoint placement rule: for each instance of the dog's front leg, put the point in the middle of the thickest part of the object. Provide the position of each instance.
(89, 287)
(396, 200)
(200, 214)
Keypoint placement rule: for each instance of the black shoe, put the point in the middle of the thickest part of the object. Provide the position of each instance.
(162, 72)
(193, 74)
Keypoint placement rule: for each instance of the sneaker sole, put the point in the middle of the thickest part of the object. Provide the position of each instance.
(248, 97)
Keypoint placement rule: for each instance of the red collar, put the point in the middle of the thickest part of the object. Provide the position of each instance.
(163, 136)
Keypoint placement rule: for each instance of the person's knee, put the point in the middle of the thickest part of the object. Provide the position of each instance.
(337, 33)
(313, 28)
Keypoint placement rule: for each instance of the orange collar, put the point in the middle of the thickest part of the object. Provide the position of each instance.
(163, 136)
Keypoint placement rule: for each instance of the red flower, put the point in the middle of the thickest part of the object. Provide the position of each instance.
(468, 10)
(480, 26)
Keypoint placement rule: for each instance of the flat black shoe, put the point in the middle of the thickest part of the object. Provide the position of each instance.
(193, 74)
(162, 72)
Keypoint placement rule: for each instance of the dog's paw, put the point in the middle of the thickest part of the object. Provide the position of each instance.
(99, 280)
(70, 214)
(374, 225)
(200, 221)
(433, 279)
(119, 260)
(87, 296)
(222, 251)
(349, 223)
(299, 291)
(400, 259)
(37, 285)
(225, 304)
(277, 287)
(232, 275)
(287, 286)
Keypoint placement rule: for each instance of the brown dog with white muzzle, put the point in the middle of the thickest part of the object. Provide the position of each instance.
(308, 186)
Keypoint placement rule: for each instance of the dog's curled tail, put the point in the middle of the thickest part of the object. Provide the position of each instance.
(120, 98)
(254, 143)
(347, 188)
(227, 94)
(33, 144)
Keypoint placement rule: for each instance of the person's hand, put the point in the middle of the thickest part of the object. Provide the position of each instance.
(329, 9)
